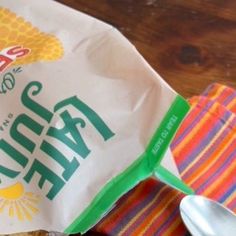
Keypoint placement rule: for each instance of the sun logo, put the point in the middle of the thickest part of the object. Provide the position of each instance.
(18, 203)
(22, 43)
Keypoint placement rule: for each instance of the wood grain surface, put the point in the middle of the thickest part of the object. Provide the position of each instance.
(191, 44)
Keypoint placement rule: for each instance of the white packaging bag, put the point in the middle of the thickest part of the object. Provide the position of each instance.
(83, 118)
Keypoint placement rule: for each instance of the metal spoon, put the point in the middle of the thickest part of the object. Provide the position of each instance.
(205, 217)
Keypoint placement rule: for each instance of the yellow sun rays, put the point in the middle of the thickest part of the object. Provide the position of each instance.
(18, 203)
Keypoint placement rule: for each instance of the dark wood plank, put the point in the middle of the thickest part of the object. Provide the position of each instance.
(189, 43)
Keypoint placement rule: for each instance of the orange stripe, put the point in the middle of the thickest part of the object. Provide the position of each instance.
(195, 100)
(212, 160)
(216, 163)
(193, 142)
(176, 228)
(207, 147)
(197, 129)
(231, 105)
(156, 211)
(226, 176)
(230, 201)
(221, 98)
(218, 191)
(110, 221)
(163, 190)
(192, 113)
(230, 198)
(216, 91)
(163, 215)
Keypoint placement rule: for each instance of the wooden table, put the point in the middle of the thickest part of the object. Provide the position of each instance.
(191, 44)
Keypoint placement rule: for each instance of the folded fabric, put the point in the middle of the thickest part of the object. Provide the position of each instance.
(205, 154)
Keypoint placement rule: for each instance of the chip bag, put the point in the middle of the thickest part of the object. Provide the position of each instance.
(83, 118)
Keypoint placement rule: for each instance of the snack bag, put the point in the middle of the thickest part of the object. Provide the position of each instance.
(83, 118)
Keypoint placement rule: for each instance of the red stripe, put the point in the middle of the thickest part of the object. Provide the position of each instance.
(160, 220)
(201, 179)
(222, 96)
(115, 218)
(188, 148)
(227, 92)
(211, 149)
(217, 192)
(179, 230)
(211, 118)
(203, 161)
(232, 204)
(189, 119)
(149, 211)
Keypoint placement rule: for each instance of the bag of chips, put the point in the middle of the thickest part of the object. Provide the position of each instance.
(83, 118)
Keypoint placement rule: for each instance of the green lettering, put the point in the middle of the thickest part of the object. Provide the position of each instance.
(9, 173)
(77, 144)
(46, 174)
(32, 105)
(92, 116)
(15, 155)
(21, 138)
(69, 167)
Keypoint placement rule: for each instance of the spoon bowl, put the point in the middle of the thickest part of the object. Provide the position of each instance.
(205, 217)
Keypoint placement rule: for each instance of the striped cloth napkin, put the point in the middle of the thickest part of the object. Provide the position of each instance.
(205, 152)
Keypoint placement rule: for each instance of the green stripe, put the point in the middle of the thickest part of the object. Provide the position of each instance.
(167, 177)
(142, 168)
